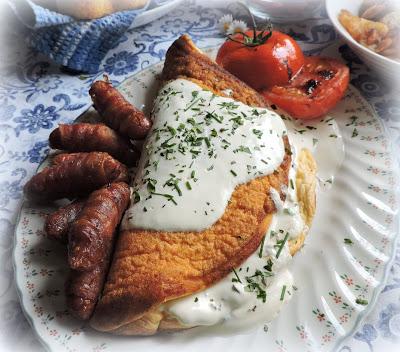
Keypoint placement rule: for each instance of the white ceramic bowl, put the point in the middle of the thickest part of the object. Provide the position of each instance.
(387, 69)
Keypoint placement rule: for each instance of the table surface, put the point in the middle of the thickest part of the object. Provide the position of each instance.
(36, 95)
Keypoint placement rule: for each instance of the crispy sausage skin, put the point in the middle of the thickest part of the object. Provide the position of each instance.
(88, 137)
(75, 175)
(91, 239)
(117, 113)
(83, 289)
(91, 235)
(57, 224)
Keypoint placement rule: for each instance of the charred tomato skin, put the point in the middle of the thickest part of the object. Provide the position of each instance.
(316, 89)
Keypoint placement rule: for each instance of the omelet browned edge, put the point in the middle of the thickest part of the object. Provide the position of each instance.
(306, 182)
(158, 320)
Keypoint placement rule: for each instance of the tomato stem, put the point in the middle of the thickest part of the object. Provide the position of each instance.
(257, 39)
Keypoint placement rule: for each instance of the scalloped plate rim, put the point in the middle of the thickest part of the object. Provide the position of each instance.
(362, 315)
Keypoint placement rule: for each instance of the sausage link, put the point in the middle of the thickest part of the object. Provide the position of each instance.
(75, 175)
(118, 113)
(91, 235)
(83, 289)
(88, 137)
(57, 224)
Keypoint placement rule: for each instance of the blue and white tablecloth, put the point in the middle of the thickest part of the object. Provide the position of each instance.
(35, 96)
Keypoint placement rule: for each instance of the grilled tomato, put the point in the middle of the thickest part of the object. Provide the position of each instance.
(315, 90)
(262, 59)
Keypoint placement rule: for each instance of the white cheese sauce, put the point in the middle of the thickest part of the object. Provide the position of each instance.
(200, 148)
(257, 290)
(323, 138)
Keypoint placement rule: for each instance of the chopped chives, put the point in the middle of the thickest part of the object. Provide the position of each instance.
(281, 245)
(260, 253)
(237, 276)
(283, 292)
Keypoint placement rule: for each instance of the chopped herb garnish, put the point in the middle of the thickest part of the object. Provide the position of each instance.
(281, 245)
(188, 186)
(300, 131)
(233, 173)
(283, 292)
(269, 265)
(212, 115)
(260, 253)
(136, 197)
(243, 149)
(168, 196)
(178, 189)
(355, 133)
(291, 184)
(237, 279)
(234, 288)
(196, 299)
(172, 130)
(348, 241)
(258, 133)
(314, 141)
(333, 135)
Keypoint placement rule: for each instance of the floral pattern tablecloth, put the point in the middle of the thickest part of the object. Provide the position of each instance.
(36, 95)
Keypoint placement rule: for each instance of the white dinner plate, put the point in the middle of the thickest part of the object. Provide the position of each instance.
(356, 201)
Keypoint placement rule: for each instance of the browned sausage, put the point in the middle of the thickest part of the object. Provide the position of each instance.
(88, 137)
(83, 289)
(57, 224)
(78, 175)
(117, 113)
(91, 235)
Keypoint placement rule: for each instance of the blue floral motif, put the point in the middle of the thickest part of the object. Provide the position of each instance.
(389, 322)
(121, 63)
(11, 189)
(80, 92)
(42, 85)
(369, 86)
(367, 334)
(38, 152)
(176, 26)
(6, 94)
(34, 120)
(388, 109)
(6, 112)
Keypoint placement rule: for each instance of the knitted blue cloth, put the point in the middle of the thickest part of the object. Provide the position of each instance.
(77, 44)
